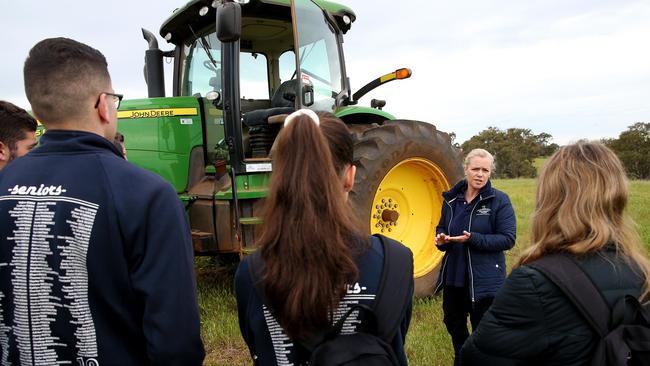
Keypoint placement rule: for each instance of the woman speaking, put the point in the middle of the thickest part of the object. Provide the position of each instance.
(476, 225)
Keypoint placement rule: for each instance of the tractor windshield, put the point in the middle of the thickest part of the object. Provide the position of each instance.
(267, 57)
(320, 63)
(201, 61)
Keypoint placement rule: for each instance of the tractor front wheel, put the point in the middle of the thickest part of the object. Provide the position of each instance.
(402, 169)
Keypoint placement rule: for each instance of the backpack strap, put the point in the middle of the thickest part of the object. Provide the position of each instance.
(395, 288)
(578, 287)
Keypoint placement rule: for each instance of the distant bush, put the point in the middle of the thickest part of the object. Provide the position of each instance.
(514, 150)
(633, 148)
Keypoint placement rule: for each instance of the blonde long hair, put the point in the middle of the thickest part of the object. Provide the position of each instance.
(582, 195)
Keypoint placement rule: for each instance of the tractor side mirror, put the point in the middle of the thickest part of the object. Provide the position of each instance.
(307, 92)
(229, 22)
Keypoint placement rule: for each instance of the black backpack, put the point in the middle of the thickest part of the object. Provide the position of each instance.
(624, 331)
(370, 345)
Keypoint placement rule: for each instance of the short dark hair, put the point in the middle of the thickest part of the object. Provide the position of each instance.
(14, 122)
(61, 76)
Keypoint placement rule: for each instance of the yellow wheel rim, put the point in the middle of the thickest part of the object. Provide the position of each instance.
(407, 208)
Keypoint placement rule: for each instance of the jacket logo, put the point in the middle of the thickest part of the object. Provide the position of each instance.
(37, 191)
(355, 289)
(483, 211)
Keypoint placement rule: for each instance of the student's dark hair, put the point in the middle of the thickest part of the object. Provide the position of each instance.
(14, 123)
(309, 236)
(63, 78)
(339, 139)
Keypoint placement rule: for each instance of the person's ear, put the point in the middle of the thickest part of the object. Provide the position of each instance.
(348, 179)
(4, 152)
(103, 109)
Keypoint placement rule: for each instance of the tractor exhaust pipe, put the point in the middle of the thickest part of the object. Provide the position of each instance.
(153, 66)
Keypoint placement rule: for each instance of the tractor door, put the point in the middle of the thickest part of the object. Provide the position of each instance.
(320, 58)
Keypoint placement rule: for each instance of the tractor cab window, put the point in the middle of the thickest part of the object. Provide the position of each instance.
(320, 64)
(253, 77)
(287, 64)
(202, 65)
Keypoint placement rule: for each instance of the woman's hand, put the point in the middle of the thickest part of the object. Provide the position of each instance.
(441, 239)
(460, 238)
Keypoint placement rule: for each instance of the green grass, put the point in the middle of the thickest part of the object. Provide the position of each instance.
(219, 324)
(427, 342)
(522, 195)
(639, 207)
(539, 162)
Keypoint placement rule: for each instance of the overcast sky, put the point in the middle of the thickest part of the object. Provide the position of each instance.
(571, 68)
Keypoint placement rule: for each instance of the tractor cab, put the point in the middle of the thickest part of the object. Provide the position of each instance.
(251, 77)
(239, 69)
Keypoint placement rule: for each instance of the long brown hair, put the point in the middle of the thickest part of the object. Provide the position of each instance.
(582, 195)
(308, 237)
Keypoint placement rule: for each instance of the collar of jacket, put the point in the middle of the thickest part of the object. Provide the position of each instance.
(486, 192)
(67, 141)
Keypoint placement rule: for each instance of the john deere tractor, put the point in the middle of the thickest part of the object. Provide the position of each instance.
(239, 69)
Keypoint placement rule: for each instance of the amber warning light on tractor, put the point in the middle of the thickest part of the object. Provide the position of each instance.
(398, 74)
(403, 73)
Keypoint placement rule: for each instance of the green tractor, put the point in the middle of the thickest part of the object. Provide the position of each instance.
(235, 80)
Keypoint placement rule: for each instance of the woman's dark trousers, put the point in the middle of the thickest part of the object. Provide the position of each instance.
(456, 306)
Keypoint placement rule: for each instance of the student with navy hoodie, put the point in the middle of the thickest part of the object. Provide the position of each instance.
(476, 226)
(95, 253)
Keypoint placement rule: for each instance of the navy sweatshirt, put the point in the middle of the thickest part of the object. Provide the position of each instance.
(267, 342)
(95, 260)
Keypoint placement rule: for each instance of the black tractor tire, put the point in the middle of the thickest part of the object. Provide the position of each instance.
(412, 163)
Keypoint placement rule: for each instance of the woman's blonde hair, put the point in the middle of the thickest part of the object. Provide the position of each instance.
(481, 153)
(582, 194)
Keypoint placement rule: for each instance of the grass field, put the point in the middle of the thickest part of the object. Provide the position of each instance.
(427, 342)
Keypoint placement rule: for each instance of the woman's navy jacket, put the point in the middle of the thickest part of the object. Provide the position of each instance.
(493, 229)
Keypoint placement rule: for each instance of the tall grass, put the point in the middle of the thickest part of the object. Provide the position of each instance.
(640, 208)
(427, 342)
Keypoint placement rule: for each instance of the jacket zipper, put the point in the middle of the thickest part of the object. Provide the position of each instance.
(469, 256)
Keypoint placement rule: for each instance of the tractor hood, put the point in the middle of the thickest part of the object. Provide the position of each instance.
(187, 20)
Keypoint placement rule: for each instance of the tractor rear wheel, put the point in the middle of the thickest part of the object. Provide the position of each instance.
(402, 169)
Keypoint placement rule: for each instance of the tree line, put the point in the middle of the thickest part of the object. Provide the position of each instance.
(515, 149)
(633, 148)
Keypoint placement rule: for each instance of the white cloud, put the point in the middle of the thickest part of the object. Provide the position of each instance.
(573, 69)
(576, 72)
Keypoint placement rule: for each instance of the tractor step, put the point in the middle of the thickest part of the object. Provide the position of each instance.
(203, 241)
(250, 220)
